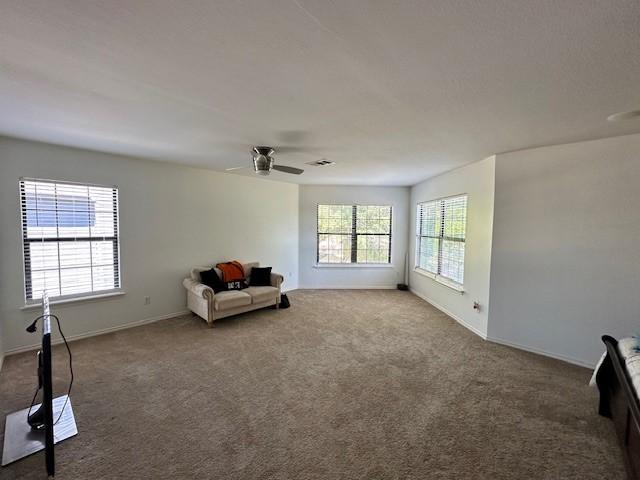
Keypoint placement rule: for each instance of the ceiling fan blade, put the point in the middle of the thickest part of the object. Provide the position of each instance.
(235, 168)
(285, 169)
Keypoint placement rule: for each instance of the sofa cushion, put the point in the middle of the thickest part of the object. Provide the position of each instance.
(231, 299)
(236, 285)
(248, 267)
(196, 273)
(261, 277)
(211, 279)
(261, 294)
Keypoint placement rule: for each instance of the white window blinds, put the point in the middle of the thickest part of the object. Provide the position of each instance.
(440, 237)
(70, 238)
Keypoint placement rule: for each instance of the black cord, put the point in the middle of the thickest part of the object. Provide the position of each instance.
(33, 400)
(66, 344)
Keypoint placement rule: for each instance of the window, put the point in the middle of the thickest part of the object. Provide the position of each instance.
(354, 234)
(440, 237)
(70, 239)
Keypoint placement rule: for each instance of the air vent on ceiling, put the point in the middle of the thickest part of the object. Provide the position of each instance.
(321, 163)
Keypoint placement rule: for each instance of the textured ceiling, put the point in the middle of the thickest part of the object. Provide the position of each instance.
(393, 92)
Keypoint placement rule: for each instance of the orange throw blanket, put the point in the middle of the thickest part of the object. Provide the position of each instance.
(231, 271)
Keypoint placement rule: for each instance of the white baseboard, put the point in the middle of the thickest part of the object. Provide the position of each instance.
(538, 351)
(95, 333)
(465, 324)
(500, 341)
(348, 287)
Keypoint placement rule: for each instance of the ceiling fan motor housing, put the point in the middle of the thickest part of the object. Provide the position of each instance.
(262, 160)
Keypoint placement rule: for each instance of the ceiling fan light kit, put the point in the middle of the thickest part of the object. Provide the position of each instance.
(263, 163)
(262, 160)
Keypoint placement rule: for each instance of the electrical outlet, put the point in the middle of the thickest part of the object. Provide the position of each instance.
(147, 300)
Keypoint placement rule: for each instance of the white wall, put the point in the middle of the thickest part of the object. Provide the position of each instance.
(566, 247)
(171, 218)
(352, 276)
(477, 181)
(1, 345)
(555, 249)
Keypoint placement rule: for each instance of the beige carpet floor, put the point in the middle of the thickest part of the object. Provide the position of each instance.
(343, 385)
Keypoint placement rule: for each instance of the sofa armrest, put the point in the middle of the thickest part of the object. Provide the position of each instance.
(276, 279)
(198, 289)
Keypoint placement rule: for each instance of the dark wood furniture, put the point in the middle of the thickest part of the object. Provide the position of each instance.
(619, 401)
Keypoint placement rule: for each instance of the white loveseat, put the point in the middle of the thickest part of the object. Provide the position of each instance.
(203, 302)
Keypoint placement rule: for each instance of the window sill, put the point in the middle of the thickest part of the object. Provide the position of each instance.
(76, 299)
(442, 281)
(352, 265)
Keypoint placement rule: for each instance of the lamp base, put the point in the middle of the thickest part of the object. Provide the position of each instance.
(20, 440)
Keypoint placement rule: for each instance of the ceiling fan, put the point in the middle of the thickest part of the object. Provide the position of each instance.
(263, 162)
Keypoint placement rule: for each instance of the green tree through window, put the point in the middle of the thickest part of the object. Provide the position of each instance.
(440, 237)
(354, 234)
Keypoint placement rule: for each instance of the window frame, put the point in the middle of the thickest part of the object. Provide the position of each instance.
(26, 246)
(437, 275)
(354, 237)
